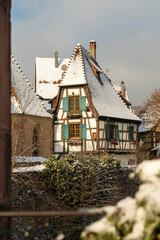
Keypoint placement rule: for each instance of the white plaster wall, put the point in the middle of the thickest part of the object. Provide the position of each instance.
(102, 144)
(92, 123)
(123, 158)
(57, 132)
(126, 145)
(74, 148)
(101, 124)
(58, 147)
(65, 93)
(76, 91)
(74, 121)
(66, 146)
(135, 127)
(120, 135)
(125, 136)
(101, 134)
(82, 92)
(120, 145)
(125, 127)
(89, 146)
(61, 104)
(83, 114)
(59, 121)
(88, 134)
(64, 115)
(60, 113)
(89, 113)
(120, 126)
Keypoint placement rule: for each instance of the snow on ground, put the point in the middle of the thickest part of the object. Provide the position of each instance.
(28, 169)
(137, 218)
(26, 159)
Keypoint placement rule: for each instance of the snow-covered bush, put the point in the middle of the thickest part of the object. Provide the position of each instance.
(73, 178)
(132, 218)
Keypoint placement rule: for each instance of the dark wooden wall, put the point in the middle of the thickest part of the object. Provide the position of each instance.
(5, 122)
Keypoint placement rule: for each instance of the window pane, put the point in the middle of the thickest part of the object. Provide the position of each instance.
(71, 103)
(76, 103)
(78, 130)
(74, 130)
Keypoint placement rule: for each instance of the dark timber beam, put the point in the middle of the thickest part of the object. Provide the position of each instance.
(5, 119)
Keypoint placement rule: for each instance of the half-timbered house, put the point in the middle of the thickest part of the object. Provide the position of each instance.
(149, 134)
(89, 115)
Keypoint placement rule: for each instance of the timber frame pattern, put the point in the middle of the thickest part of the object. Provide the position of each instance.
(100, 129)
(95, 135)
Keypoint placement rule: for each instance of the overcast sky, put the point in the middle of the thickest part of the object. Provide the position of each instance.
(127, 34)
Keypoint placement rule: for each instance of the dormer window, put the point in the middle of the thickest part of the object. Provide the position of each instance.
(74, 103)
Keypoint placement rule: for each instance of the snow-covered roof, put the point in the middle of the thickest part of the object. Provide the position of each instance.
(24, 99)
(142, 128)
(118, 89)
(104, 97)
(48, 77)
(156, 148)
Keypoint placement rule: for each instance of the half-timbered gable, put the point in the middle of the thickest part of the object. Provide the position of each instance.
(149, 134)
(89, 115)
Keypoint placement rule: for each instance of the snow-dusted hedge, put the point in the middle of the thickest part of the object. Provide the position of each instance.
(133, 218)
(73, 178)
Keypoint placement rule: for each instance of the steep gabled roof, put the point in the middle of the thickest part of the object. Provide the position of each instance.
(23, 98)
(83, 69)
(48, 77)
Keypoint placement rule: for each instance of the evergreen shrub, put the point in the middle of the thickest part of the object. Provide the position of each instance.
(73, 178)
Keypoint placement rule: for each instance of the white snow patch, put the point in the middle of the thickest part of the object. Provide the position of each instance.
(29, 169)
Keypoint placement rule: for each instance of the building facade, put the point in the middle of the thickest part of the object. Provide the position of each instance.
(89, 115)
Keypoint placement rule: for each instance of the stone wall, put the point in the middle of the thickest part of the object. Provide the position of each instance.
(22, 135)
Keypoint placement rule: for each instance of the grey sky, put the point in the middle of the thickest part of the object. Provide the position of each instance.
(126, 31)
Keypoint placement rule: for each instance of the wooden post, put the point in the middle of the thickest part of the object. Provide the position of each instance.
(5, 119)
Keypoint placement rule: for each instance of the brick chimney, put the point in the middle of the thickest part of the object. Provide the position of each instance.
(122, 88)
(92, 49)
(56, 59)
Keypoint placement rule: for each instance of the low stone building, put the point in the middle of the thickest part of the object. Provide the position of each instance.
(32, 125)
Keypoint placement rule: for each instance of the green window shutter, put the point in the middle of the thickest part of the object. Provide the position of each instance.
(83, 131)
(130, 132)
(65, 104)
(107, 131)
(65, 132)
(116, 132)
(83, 103)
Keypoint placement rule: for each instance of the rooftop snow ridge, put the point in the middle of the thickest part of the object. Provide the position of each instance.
(29, 84)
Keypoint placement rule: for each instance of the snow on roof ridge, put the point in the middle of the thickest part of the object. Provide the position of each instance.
(82, 62)
(78, 46)
(29, 84)
(123, 101)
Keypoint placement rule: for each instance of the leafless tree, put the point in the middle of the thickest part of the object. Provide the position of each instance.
(153, 109)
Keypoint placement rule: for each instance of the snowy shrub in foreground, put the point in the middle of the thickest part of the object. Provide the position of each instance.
(73, 178)
(132, 218)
